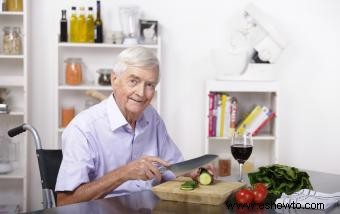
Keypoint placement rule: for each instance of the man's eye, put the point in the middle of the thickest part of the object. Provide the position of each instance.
(151, 85)
(133, 82)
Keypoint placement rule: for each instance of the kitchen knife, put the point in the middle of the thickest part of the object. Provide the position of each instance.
(183, 167)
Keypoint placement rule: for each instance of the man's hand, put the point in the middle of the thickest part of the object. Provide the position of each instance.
(144, 168)
(210, 167)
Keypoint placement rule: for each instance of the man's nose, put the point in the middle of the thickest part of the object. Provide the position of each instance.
(140, 89)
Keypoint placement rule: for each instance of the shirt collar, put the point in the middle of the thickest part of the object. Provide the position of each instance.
(117, 119)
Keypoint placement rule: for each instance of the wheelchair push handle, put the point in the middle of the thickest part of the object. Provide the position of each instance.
(17, 130)
(22, 128)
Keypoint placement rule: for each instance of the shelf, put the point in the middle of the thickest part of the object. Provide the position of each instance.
(12, 81)
(85, 87)
(15, 174)
(101, 45)
(16, 112)
(260, 137)
(243, 86)
(4, 56)
(11, 13)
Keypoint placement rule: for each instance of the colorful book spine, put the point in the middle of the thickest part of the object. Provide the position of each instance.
(227, 117)
(265, 112)
(223, 107)
(241, 129)
(211, 114)
(264, 123)
(218, 116)
(233, 115)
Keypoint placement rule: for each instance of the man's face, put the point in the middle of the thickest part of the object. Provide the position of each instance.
(134, 90)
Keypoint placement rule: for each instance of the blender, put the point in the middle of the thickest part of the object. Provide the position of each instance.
(128, 17)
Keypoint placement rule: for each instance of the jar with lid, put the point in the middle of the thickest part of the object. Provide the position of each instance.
(12, 41)
(104, 76)
(74, 71)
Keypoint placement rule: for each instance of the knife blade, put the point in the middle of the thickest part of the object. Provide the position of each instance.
(183, 167)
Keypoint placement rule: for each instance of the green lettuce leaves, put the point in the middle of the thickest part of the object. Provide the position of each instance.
(281, 178)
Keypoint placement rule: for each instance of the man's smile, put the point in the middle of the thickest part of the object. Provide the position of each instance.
(136, 100)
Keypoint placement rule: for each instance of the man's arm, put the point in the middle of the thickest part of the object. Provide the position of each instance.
(141, 169)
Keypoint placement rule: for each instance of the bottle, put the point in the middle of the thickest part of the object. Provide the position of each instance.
(90, 26)
(14, 5)
(63, 27)
(73, 25)
(98, 26)
(81, 33)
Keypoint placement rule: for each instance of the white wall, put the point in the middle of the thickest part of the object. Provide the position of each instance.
(189, 29)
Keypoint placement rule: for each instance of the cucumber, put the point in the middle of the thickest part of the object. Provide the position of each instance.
(205, 177)
(189, 185)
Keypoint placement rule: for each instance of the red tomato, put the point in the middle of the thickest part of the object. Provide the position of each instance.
(260, 195)
(244, 196)
(260, 186)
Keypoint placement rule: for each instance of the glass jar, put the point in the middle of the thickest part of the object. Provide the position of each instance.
(5, 164)
(74, 71)
(67, 114)
(12, 41)
(104, 76)
(14, 5)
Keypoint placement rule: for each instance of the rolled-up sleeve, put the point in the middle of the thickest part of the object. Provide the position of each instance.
(78, 160)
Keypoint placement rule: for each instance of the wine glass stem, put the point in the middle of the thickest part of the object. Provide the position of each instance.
(241, 173)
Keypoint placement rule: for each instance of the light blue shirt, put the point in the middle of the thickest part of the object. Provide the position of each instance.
(100, 139)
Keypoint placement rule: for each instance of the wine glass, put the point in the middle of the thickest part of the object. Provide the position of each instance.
(241, 149)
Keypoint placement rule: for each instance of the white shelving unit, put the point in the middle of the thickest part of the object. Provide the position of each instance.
(248, 93)
(14, 75)
(94, 56)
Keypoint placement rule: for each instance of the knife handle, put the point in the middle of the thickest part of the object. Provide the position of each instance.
(162, 169)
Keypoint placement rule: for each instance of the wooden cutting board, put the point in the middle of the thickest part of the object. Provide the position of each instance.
(213, 194)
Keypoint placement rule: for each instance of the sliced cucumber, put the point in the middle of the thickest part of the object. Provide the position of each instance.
(189, 185)
(205, 178)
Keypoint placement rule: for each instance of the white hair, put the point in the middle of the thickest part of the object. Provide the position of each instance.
(139, 57)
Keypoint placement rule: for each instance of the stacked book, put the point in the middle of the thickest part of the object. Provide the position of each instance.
(222, 114)
(255, 120)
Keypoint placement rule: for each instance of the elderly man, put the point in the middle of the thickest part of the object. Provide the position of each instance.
(116, 146)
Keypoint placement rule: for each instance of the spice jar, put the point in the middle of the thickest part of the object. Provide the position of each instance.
(104, 76)
(12, 42)
(224, 167)
(74, 71)
(67, 114)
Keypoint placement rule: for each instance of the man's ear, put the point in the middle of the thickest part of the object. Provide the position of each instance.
(114, 77)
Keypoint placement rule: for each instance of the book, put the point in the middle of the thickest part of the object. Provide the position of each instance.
(223, 111)
(218, 114)
(258, 120)
(227, 117)
(233, 115)
(241, 129)
(211, 114)
(264, 123)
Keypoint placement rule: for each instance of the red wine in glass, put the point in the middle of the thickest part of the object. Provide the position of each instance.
(241, 149)
(241, 152)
